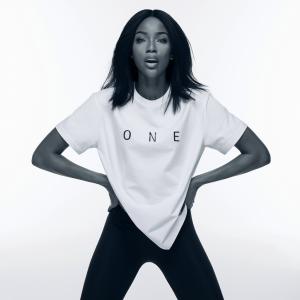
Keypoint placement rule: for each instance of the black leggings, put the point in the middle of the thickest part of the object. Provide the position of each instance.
(122, 249)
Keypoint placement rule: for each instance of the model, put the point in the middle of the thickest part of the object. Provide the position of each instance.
(150, 124)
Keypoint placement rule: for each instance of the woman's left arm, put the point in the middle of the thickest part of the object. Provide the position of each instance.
(254, 154)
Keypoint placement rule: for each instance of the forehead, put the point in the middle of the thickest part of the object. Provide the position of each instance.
(151, 25)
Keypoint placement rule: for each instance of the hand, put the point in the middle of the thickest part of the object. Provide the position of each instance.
(113, 197)
(191, 194)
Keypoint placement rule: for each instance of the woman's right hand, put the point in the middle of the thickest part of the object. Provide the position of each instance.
(113, 197)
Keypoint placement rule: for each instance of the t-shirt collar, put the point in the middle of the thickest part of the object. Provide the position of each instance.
(150, 103)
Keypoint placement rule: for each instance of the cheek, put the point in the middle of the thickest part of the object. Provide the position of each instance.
(138, 51)
(165, 54)
(165, 62)
(138, 58)
(165, 49)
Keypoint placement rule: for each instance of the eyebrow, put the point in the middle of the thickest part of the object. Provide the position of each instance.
(159, 32)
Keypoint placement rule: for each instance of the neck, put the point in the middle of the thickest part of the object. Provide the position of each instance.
(151, 88)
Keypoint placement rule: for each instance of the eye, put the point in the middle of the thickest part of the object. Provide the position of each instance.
(139, 39)
(164, 40)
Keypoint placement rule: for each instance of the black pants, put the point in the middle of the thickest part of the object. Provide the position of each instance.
(122, 249)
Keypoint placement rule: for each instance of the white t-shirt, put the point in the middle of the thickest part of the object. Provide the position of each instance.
(150, 158)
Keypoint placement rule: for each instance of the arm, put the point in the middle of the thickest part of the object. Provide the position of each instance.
(47, 156)
(254, 154)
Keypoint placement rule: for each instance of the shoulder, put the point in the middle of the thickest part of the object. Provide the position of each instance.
(102, 97)
(201, 97)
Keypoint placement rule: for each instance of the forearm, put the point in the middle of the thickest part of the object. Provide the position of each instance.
(243, 163)
(58, 164)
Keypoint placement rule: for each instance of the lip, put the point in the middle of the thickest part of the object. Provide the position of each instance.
(151, 65)
(152, 59)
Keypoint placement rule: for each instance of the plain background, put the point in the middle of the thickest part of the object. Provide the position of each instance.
(54, 54)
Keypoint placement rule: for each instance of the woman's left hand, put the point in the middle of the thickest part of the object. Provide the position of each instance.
(191, 194)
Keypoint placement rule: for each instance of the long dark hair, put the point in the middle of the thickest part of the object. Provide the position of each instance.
(123, 72)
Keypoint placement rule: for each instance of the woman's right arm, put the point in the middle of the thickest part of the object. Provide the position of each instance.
(47, 156)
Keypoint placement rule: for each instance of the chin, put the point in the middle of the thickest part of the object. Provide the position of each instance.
(152, 73)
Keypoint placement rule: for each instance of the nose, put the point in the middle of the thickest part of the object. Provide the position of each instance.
(151, 46)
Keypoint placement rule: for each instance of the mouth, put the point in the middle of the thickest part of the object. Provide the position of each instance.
(151, 62)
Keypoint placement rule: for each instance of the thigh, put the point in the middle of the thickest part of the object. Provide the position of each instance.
(187, 267)
(114, 263)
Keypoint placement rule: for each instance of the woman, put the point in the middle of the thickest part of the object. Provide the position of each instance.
(150, 125)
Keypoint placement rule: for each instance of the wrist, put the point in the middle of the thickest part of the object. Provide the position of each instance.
(198, 181)
(102, 180)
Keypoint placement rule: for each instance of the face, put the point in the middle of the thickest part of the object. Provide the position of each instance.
(151, 41)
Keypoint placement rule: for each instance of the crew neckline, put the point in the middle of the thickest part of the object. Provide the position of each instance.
(150, 103)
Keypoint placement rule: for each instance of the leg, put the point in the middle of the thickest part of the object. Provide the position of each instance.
(114, 263)
(187, 267)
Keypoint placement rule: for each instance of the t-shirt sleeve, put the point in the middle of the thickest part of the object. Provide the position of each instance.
(222, 128)
(80, 129)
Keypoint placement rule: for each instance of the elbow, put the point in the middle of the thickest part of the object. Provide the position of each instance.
(36, 158)
(264, 157)
(39, 157)
(43, 159)
(268, 159)
(260, 157)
